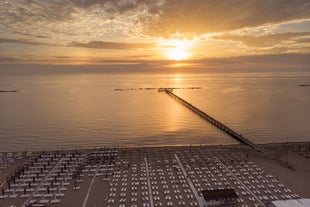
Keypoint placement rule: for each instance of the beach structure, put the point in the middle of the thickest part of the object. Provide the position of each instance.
(219, 197)
(291, 203)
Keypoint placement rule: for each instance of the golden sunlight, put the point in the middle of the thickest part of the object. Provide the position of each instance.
(175, 49)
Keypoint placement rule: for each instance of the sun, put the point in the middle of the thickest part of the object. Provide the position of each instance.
(176, 49)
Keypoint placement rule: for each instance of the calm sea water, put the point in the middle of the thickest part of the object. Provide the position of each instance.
(63, 111)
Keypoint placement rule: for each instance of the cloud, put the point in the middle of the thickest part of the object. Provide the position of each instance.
(134, 24)
(284, 59)
(305, 40)
(112, 45)
(246, 63)
(5, 40)
(161, 18)
(91, 44)
(268, 40)
(62, 57)
(30, 35)
(194, 17)
(8, 59)
(67, 18)
(33, 11)
(259, 62)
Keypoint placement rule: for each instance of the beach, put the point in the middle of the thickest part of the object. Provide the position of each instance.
(157, 176)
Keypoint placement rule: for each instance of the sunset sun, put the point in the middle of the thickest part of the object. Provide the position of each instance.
(175, 49)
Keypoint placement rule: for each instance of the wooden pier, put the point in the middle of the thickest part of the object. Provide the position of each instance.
(218, 124)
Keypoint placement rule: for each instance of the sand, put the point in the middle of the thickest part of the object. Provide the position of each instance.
(204, 167)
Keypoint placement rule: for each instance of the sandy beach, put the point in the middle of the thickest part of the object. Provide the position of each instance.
(160, 176)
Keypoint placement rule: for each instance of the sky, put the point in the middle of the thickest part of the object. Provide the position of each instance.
(173, 33)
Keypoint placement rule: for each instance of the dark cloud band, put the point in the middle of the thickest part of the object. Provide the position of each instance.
(112, 45)
(266, 40)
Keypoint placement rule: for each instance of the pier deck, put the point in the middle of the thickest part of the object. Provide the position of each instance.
(218, 124)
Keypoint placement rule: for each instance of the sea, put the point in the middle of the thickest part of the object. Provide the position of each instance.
(60, 110)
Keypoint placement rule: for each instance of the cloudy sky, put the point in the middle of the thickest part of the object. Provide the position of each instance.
(131, 31)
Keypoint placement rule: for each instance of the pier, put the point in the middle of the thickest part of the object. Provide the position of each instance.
(218, 124)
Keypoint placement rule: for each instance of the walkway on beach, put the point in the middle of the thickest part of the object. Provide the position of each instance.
(217, 123)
